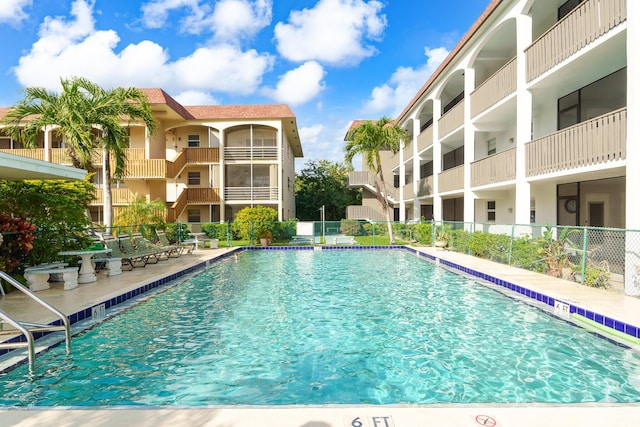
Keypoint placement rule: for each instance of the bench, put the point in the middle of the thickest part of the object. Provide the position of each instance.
(113, 265)
(344, 240)
(38, 276)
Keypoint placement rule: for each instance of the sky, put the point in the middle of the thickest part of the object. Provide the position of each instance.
(331, 61)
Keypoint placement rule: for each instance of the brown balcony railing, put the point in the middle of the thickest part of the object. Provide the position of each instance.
(119, 196)
(497, 87)
(192, 196)
(202, 155)
(360, 178)
(32, 153)
(499, 167)
(425, 186)
(599, 140)
(364, 212)
(451, 120)
(451, 179)
(425, 139)
(590, 20)
(146, 169)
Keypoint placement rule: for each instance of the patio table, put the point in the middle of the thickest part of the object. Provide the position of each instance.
(87, 273)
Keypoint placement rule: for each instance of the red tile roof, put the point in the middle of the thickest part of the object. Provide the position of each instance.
(269, 111)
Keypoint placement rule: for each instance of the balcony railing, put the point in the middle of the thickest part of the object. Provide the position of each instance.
(407, 152)
(497, 87)
(146, 169)
(251, 193)
(587, 22)
(451, 120)
(425, 139)
(596, 141)
(407, 191)
(451, 179)
(425, 186)
(119, 196)
(248, 153)
(499, 167)
(366, 179)
(32, 153)
(364, 212)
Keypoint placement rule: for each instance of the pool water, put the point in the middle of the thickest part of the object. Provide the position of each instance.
(320, 327)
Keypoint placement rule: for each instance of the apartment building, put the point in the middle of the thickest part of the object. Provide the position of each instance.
(205, 162)
(531, 119)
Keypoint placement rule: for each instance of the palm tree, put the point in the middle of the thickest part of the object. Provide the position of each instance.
(368, 138)
(74, 113)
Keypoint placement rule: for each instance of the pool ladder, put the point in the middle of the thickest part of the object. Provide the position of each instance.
(28, 328)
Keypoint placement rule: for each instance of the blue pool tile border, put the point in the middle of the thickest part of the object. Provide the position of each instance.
(125, 296)
(626, 328)
(622, 327)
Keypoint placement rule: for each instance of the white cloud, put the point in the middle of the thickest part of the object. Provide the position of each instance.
(299, 85)
(194, 97)
(228, 20)
(76, 48)
(13, 12)
(404, 83)
(333, 32)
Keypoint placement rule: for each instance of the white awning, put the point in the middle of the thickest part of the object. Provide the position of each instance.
(18, 167)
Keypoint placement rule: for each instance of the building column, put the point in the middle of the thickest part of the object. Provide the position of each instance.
(416, 168)
(523, 123)
(632, 210)
(223, 143)
(47, 143)
(402, 171)
(437, 161)
(469, 132)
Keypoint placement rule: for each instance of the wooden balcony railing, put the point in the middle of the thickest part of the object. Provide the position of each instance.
(587, 22)
(364, 212)
(192, 196)
(499, 167)
(451, 120)
(32, 153)
(599, 140)
(248, 153)
(146, 169)
(251, 193)
(425, 139)
(425, 186)
(451, 179)
(119, 196)
(497, 87)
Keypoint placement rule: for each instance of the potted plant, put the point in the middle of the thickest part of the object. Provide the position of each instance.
(441, 237)
(265, 237)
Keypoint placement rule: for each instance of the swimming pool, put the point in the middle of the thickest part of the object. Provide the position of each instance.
(316, 327)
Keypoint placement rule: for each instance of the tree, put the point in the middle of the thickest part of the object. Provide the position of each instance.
(323, 183)
(74, 113)
(139, 213)
(252, 222)
(369, 138)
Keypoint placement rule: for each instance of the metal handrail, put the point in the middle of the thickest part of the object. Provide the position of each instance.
(20, 326)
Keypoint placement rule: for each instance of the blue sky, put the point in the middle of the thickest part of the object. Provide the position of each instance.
(331, 61)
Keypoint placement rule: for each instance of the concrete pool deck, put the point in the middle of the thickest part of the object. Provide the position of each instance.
(609, 303)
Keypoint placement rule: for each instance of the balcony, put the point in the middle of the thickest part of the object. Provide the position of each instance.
(599, 140)
(193, 155)
(364, 212)
(251, 153)
(451, 120)
(407, 152)
(493, 90)
(366, 179)
(425, 139)
(251, 193)
(587, 22)
(193, 196)
(119, 196)
(451, 179)
(407, 191)
(499, 167)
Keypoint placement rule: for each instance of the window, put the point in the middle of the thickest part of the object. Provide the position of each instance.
(194, 178)
(193, 215)
(193, 140)
(491, 210)
(491, 146)
(453, 102)
(396, 181)
(567, 7)
(453, 158)
(426, 170)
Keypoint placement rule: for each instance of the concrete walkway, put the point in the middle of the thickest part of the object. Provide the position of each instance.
(604, 302)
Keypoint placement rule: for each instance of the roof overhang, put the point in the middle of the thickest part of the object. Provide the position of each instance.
(18, 167)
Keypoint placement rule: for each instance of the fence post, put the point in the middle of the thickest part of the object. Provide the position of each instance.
(513, 227)
(584, 254)
(228, 234)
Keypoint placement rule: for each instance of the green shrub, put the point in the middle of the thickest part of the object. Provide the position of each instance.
(249, 223)
(216, 230)
(177, 232)
(350, 227)
(286, 229)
